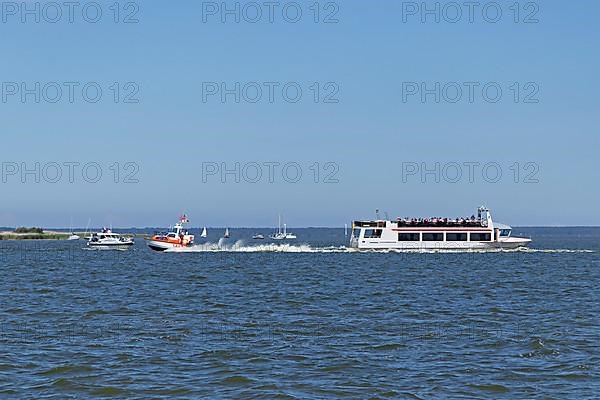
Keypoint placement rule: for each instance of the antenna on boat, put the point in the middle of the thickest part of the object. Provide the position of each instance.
(345, 229)
(377, 213)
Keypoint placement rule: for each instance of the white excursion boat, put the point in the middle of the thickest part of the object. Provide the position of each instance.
(177, 237)
(282, 234)
(108, 239)
(475, 233)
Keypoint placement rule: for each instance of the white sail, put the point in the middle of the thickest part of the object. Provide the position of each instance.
(204, 233)
(226, 233)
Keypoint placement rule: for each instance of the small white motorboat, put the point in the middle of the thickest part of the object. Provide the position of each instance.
(107, 239)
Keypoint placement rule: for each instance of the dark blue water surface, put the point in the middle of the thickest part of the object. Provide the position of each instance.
(311, 320)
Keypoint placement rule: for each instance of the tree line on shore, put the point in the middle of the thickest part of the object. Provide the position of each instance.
(22, 229)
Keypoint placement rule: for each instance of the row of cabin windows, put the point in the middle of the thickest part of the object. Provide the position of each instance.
(373, 233)
(439, 237)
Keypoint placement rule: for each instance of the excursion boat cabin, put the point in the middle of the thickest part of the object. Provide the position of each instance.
(475, 232)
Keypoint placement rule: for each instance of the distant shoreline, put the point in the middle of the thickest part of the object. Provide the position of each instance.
(50, 235)
(47, 235)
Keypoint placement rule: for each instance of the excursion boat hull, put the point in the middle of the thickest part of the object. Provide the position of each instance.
(516, 243)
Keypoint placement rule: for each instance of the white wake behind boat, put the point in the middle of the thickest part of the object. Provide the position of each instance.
(475, 233)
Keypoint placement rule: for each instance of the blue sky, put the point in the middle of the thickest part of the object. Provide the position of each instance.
(370, 135)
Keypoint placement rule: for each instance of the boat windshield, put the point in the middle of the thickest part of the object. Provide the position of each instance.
(505, 232)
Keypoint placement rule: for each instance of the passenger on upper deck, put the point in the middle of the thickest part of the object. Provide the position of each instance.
(439, 221)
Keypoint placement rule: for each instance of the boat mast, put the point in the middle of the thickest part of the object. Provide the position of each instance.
(87, 227)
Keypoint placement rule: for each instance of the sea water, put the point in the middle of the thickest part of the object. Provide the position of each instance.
(243, 318)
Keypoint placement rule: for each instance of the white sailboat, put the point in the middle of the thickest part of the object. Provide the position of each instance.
(286, 234)
(72, 236)
(226, 235)
(204, 233)
(282, 235)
